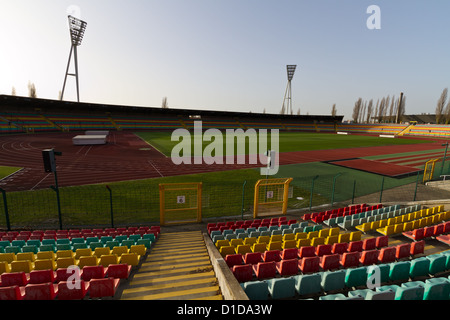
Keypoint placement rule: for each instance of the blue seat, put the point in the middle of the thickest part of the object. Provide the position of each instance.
(437, 289)
(308, 284)
(256, 290)
(281, 288)
(356, 277)
(399, 271)
(332, 280)
(216, 238)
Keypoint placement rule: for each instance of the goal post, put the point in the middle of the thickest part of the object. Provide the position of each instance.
(180, 203)
(271, 197)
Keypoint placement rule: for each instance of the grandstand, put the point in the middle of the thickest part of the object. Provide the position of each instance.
(366, 251)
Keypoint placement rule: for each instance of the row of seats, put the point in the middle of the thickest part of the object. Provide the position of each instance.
(26, 262)
(77, 233)
(271, 263)
(319, 283)
(428, 232)
(349, 222)
(429, 289)
(409, 225)
(319, 217)
(245, 224)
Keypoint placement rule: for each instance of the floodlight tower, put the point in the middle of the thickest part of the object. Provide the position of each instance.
(77, 28)
(288, 95)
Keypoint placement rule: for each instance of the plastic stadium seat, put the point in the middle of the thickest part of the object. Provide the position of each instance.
(350, 259)
(72, 291)
(332, 280)
(21, 266)
(369, 257)
(106, 287)
(436, 289)
(106, 260)
(14, 279)
(4, 267)
(399, 271)
(287, 267)
(234, 259)
(369, 244)
(64, 274)
(409, 292)
(12, 293)
(381, 242)
(119, 271)
(44, 291)
(356, 277)
(256, 290)
(355, 246)
(323, 249)
(304, 252)
(281, 288)
(387, 255)
(224, 251)
(243, 273)
(132, 259)
(309, 264)
(273, 255)
(287, 254)
(417, 247)
(100, 251)
(339, 248)
(437, 263)
(93, 272)
(308, 284)
(419, 267)
(87, 252)
(42, 276)
(265, 270)
(402, 251)
(252, 258)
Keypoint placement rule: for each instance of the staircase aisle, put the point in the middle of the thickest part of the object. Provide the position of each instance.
(177, 268)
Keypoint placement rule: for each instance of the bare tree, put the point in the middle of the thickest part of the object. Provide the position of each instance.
(391, 110)
(333, 110)
(369, 110)
(357, 110)
(164, 103)
(447, 113)
(381, 110)
(440, 106)
(13, 91)
(298, 111)
(32, 90)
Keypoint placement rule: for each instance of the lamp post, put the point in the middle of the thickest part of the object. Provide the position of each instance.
(77, 29)
(288, 95)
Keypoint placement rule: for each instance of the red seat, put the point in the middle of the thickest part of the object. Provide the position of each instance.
(233, 260)
(42, 276)
(93, 272)
(105, 287)
(428, 232)
(14, 279)
(252, 258)
(445, 238)
(323, 249)
(350, 259)
(63, 274)
(306, 216)
(309, 264)
(330, 262)
(369, 244)
(272, 255)
(369, 257)
(72, 291)
(339, 247)
(355, 246)
(243, 273)
(402, 251)
(305, 252)
(120, 271)
(287, 267)
(382, 241)
(42, 291)
(387, 255)
(417, 247)
(292, 222)
(447, 227)
(265, 270)
(418, 234)
(290, 253)
(438, 229)
(12, 293)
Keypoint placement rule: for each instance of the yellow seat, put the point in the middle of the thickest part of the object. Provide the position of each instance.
(243, 249)
(388, 230)
(374, 225)
(131, 259)
(88, 261)
(416, 224)
(221, 243)
(251, 241)
(355, 235)
(65, 262)
(324, 233)
(263, 239)
(301, 235)
(398, 228)
(45, 264)
(120, 250)
(289, 244)
(276, 238)
(4, 267)
(43, 255)
(407, 226)
(275, 245)
(391, 222)
(364, 227)
(313, 234)
(334, 231)
(22, 266)
(84, 252)
(140, 249)
(344, 237)
(288, 236)
(259, 247)
(383, 223)
(25, 256)
(435, 219)
(100, 251)
(65, 254)
(8, 257)
(236, 242)
(225, 250)
(332, 239)
(317, 241)
(399, 219)
(303, 243)
(106, 260)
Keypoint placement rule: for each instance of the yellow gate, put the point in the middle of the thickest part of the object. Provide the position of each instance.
(429, 170)
(271, 197)
(180, 203)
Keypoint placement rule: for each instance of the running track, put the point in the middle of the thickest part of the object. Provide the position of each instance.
(127, 157)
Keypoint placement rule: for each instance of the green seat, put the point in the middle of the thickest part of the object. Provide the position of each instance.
(63, 246)
(89, 240)
(399, 271)
(34, 242)
(13, 249)
(410, 292)
(136, 237)
(356, 277)
(146, 242)
(112, 244)
(121, 238)
(436, 289)
(307, 284)
(378, 273)
(336, 296)
(128, 243)
(419, 267)
(281, 288)
(105, 239)
(256, 290)
(77, 241)
(47, 247)
(18, 243)
(77, 246)
(48, 241)
(97, 244)
(5, 243)
(437, 263)
(63, 241)
(332, 280)
(30, 248)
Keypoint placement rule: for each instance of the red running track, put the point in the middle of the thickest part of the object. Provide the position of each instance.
(127, 157)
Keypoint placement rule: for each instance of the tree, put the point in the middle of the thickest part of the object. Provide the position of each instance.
(333, 110)
(32, 90)
(440, 106)
(369, 110)
(13, 91)
(298, 111)
(357, 110)
(164, 103)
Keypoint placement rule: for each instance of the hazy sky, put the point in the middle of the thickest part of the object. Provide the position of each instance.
(230, 54)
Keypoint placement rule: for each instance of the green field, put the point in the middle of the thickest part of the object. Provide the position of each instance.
(6, 171)
(288, 142)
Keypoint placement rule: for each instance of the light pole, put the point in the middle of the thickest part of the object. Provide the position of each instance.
(288, 95)
(445, 155)
(77, 29)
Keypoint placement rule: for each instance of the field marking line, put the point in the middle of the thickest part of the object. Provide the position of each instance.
(151, 146)
(40, 181)
(151, 163)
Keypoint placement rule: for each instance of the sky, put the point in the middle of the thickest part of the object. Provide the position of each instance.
(230, 55)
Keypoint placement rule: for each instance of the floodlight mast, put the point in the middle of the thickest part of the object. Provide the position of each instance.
(288, 95)
(77, 29)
